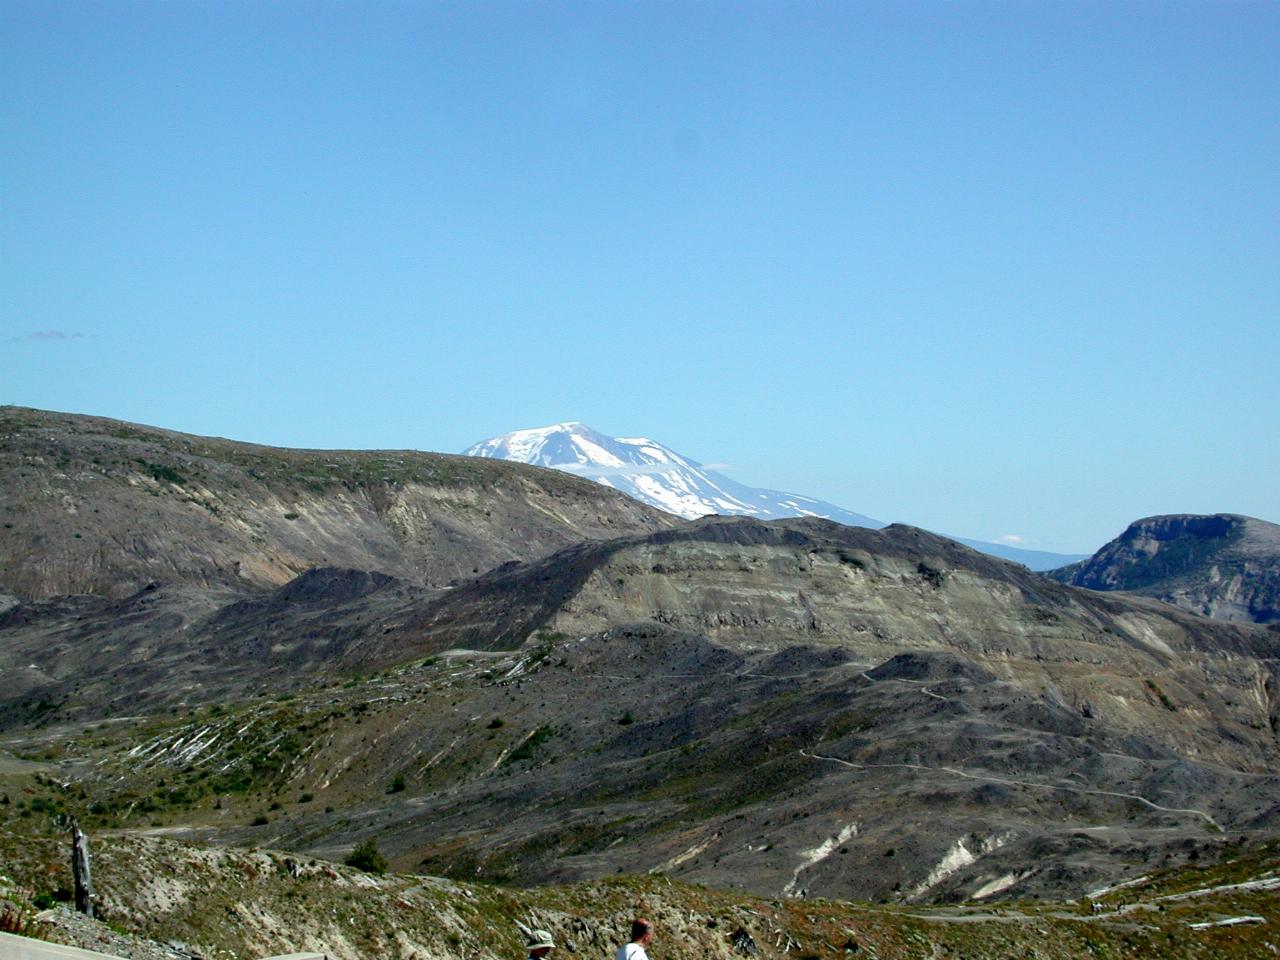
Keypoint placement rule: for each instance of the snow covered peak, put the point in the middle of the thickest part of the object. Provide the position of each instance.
(571, 445)
(653, 473)
(528, 446)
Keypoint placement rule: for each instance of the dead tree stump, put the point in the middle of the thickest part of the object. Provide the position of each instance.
(80, 870)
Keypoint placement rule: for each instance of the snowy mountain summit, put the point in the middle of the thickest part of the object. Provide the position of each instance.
(654, 474)
(657, 475)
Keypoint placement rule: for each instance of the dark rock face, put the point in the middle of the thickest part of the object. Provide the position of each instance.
(1158, 549)
(1223, 565)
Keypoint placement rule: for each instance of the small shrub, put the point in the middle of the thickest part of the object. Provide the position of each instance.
(367, 857)
(626, 719)
(932, 575)
(496, 722)
(1162, 696)
(397, 784)
(160, 471)
(260, 821)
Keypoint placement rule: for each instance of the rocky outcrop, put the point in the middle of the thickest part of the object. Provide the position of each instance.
(1223, 565)
(95, 506)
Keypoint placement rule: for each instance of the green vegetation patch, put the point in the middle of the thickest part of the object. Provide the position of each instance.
(367, 857)
(531, 744)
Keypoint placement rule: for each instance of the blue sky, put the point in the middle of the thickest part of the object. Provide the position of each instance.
(997, 269)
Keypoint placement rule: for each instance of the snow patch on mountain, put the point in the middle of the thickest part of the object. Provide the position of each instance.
(653, 473)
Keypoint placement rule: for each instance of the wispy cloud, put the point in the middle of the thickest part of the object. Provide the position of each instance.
(49, 335)
(1012, 538)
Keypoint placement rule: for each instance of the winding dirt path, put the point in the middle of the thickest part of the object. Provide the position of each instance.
(986, 778)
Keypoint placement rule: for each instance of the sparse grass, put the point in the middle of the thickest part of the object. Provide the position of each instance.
(16, 919)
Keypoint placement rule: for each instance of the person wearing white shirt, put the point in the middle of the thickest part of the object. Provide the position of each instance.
(641, 937)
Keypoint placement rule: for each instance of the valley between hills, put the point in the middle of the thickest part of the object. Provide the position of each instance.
(233, 664)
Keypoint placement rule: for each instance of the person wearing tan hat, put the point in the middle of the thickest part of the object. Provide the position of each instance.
(539, 944)
(641, 937)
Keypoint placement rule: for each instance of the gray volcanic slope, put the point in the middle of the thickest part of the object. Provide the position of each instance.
(790, 706)
(876, 593)
(1223, 566)
(924, 776)
(96, 506)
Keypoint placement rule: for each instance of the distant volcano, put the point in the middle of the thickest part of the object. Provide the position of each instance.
(655, 474)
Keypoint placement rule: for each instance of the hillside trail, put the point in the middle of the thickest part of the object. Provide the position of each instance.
(1007, 781)
(987, 778)
(925, 691)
